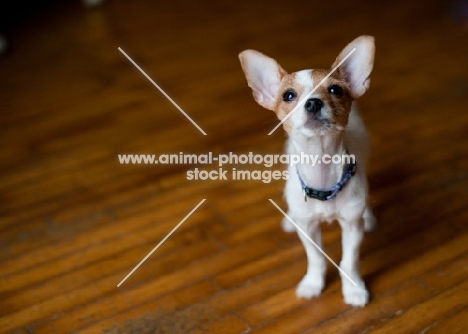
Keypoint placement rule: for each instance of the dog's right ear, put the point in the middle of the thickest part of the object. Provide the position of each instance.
(263, 76)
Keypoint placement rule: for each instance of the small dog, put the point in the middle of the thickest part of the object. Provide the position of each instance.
(327, 123)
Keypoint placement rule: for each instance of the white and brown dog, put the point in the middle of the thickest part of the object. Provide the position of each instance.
(325, 124)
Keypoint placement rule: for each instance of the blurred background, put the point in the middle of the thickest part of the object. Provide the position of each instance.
(74, 222)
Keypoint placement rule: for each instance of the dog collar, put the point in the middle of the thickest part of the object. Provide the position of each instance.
(325, 195)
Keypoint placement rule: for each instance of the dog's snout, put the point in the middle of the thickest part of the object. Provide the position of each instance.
(313, 105)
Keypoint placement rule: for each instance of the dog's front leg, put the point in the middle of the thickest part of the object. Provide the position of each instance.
(313, 282)
(352, 235)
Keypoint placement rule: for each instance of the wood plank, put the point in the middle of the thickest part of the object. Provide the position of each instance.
(426, 313)
(92, 294)
(455, 324)
(357, 320)
(160, 307)
(228, 325)
(74, 221)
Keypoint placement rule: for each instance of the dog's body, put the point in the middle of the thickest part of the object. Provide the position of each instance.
(326, 124)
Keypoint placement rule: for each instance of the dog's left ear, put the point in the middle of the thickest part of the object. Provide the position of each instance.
(357, 68)
(263, 76)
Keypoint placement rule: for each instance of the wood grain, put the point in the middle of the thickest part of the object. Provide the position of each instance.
(74, 222)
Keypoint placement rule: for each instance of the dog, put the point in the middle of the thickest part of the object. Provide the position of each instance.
(324, 123)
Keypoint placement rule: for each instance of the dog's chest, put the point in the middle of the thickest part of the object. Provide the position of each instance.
(334, 209)
(324, 211)
(321, 210)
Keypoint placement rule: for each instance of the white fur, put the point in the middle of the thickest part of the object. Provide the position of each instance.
(304, 79)
(263, 75)
(350, 207)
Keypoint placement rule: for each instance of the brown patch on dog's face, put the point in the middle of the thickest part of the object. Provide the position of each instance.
(334, 93)
(282, 107)
(336, 96)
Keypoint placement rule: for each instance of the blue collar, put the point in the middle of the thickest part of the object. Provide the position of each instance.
(325, 195)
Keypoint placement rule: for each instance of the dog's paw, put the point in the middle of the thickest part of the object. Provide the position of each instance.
(356, 296)
(309, 287)
(287, 226)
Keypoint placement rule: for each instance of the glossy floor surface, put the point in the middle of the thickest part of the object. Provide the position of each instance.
(74, 221)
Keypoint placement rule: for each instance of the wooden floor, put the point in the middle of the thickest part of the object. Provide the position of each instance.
(74, 222)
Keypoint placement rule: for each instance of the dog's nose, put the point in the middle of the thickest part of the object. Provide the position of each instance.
(313, 105)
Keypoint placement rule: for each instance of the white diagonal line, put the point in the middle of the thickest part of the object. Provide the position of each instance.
(162, 241)
(313, 90)
(312, 241)
(163, 92)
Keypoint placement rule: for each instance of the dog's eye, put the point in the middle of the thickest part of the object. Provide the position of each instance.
(289, 95)
(335, 90)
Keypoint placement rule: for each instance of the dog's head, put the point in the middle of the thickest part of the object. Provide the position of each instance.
(328, 107)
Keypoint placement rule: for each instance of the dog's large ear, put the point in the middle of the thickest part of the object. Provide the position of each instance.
(263, 76)
(357, 68)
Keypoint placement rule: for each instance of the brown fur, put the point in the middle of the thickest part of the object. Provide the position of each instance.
(339, 105)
